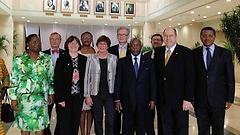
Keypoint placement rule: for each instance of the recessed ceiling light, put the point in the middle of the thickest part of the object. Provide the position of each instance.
(28, 20)
(105, 24)
(192, 12)
(159, 23)
(23, 17)
(193, 20)
(219, 13)
(228, 0)
(170, 19)
(204, 16)
(135, 22)
(208, 6)
(129, 25)
(83, 20)
(170, 26)
(179, 23)
(55, 22)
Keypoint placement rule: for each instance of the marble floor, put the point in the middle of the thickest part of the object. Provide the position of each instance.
(232, 120)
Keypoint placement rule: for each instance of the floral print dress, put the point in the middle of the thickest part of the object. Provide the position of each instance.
(30, 85)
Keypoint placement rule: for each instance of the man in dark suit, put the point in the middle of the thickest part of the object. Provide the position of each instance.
(120, 50)
(156, 41)
(175, 84)
(135, 88)
(55, 52)
(215, 84)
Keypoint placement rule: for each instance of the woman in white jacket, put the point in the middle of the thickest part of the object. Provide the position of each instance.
(99, 85)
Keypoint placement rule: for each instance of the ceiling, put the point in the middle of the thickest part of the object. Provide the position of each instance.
(180, 15)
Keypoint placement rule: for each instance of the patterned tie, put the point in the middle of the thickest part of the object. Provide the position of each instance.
(168, 56)
(208, 57)
(55, 51)
(122, 54)
(136, 66)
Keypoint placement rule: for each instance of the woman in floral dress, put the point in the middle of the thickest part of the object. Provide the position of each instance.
(31, 88)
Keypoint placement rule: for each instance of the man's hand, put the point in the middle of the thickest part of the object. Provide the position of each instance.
(50, 99)
(186, 105)
(228, 105)
(151, 105)
(118, 106)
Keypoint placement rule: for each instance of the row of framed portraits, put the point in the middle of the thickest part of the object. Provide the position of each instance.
(84, 6)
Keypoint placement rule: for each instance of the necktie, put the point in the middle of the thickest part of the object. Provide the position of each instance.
(122, 54)
(136, 66)
(208, 57)
(168, 56)
(55, 51)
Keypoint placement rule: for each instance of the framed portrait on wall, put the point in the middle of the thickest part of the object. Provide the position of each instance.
(100, 7)
(130, 8)
(83, 6)
(114, 7)
(49, 5)
(67, 6)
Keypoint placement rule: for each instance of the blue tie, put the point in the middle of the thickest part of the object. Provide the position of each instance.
(136, 66)
(209, 57)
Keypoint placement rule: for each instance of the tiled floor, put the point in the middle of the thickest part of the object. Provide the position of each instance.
(232, 120)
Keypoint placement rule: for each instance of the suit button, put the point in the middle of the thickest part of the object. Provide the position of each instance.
(164, 79)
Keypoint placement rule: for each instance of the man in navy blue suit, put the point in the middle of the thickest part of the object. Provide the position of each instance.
(215, 84)
(175, 83)
(135, 88)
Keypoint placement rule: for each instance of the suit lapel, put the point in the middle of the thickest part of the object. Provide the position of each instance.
(142, 65)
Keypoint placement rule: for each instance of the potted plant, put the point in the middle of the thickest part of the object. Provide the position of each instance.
(230, 25)
(3, 40)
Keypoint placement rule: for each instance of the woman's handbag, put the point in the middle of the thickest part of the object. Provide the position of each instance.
(7, 112)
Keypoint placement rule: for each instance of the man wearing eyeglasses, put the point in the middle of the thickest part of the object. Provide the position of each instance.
(156, 41)
(120, 50)
(55, 52)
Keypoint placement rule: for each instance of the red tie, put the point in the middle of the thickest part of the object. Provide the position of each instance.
(55, 51)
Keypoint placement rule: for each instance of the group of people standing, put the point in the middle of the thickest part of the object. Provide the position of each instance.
(120, 80)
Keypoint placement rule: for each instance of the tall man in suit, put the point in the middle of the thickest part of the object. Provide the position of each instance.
(135, 88)
(175, 84)
(55, 52)
(120, 50)
(156, 41)
(215, 84)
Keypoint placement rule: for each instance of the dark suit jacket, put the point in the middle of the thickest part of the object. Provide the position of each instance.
(217, 84)
(63, 76)
(114, 50)
(61, 52)
(175, 82)
(135, 92)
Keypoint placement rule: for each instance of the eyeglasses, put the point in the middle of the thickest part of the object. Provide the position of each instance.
(73, 43)
(122, 35)
(102, 43)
